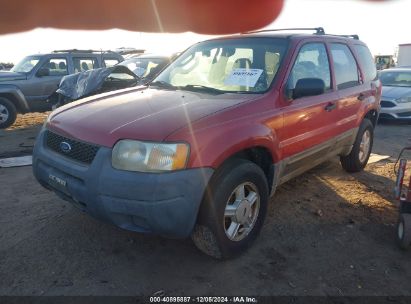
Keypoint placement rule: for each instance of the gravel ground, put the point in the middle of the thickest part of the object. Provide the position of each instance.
(327, 233)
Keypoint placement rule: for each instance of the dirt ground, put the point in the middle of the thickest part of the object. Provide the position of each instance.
(327, 233)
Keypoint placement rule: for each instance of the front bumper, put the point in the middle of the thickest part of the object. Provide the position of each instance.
(390, 109)
(161, 203)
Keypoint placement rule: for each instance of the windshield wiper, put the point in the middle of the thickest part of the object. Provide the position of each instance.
(199, 87)
(162, 84)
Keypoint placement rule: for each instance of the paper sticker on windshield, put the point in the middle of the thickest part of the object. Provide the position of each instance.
(243, 77)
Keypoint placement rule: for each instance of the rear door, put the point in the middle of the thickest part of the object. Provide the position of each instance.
(349, 85)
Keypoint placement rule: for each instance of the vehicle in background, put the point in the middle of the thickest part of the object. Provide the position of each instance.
(129, 52)
(404, 55)
(147, 66)
(384, 62)
(396, 94)
(200, 150)
(92, 82)
(138, 70)
(28, 85)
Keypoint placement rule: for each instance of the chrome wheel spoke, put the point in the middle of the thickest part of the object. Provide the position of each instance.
(250, 221)
(230, 210)
(232, 231)
(240, 193)
(252, 197)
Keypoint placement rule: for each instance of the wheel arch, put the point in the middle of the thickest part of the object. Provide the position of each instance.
(372, 115)
(16, 97)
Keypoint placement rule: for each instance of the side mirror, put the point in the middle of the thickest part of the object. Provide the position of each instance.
(308, 87)
(43, 72)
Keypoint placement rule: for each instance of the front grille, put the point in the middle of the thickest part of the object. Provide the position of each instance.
(404, 114)
(387, 104)
(80, 151)
(386, 116)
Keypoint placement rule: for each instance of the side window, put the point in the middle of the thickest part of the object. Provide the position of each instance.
(366, 62)
(345, 67)
(56, 66)
(110, 62)
(312, 62)
(84, 64)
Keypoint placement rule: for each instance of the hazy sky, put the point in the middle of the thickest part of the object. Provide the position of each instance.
(381, 25)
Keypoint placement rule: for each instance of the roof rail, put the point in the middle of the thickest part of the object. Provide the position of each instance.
(356, 37)
(318, 30)
(81, 51)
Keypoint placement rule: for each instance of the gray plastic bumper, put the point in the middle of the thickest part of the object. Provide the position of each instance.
(161, 203)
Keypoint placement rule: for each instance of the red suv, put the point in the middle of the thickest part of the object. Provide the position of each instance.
(200, 150)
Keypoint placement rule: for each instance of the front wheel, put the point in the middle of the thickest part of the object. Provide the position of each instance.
(404, 231)
(233, 210)
(361, 150)
(8, 113)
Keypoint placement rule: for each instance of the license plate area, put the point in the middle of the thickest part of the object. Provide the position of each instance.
(58, 183)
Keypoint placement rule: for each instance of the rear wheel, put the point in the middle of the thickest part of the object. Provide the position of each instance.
(404, 231)
(233, 210)
(361, 150)
(8, 113)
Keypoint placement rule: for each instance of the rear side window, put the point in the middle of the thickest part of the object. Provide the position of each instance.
(366, 62)
(84, 64)
(345, 67)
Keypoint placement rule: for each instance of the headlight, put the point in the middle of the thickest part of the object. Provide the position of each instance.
(132, 155)
(403, 99)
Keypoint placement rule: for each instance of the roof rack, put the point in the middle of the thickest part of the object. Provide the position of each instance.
(356, 37)
(81, 51)
(318, 30)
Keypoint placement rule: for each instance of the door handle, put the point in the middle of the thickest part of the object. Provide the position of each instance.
(331, 106)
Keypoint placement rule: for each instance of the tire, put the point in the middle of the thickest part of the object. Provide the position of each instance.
(227, 224)
(8, 113)
(361, 150)
(404, 231)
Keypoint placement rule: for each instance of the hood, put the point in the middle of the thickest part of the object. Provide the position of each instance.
(8, 76)
(141, 114)
(395, 92)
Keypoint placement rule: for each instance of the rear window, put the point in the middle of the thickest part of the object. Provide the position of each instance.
(366, 62)
(345, 66)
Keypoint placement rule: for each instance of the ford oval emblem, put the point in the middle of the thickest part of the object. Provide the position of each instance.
(65, 147)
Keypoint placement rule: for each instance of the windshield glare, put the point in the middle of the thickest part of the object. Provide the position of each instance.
(396, 78)
(230, 65)
(26, 65)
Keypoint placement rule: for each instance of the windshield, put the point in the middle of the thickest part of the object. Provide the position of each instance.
(396, 78)
(143, 67)
(26, 65)
(226, 65)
